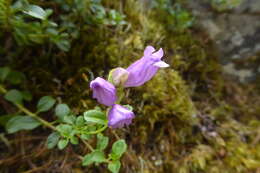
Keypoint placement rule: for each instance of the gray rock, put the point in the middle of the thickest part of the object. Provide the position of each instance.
(236, 34)
(249, 6)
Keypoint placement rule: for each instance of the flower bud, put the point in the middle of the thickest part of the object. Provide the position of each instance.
(119, 76)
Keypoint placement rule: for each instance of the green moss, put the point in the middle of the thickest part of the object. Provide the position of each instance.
(167, 94)
(173, 108)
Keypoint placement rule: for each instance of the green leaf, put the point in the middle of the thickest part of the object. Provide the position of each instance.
(97, 108)
(63, 143)
(95, 116)
(15, 77)
(53, 140)
(65, 130)
(4, 119)
(74, 140)
(114, 166)
(96, 156)
(80, 121)
(87, 160)
(4, 71)
(18, 123)
(45, 103)
(63, 45)
(102, 142)
(69, 119)
(14, 96)
(35, 11)
(48, 12)
(62, 110)
(86, 136)
(27, 95)
(118, 148)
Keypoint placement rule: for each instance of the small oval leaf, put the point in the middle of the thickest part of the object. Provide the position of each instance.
(96, 156)
(102, 142)
(53, 140)
(35, 11)
(4, 71)
(45, 103)
(62, 110)
(15, 77)
(14, 96)
(18, 123)
(118, 149)
(95, 116)
(114, 166)
(63, 143)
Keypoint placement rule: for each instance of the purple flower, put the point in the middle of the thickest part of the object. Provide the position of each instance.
(118, 116)
(103, 91)
(145, 68)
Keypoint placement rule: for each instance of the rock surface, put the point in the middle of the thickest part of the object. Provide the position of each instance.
(236, 34)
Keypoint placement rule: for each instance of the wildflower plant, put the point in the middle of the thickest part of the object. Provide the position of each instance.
(69, 128)
(135, 75)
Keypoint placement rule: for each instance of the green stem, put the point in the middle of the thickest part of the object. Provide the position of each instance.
(120, 92)
(97, 131)
(2, 89)
(35, 116)
(86, 143)
(29, 113)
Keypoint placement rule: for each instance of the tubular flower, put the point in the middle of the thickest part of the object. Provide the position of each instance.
(118, 116)
(145, 68)
(103, 91)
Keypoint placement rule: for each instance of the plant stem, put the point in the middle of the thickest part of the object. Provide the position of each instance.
(42, 121)
(2, 89)
(97, 131)
(120, 92)
(86, 143)
(33, 115)
(29, 113)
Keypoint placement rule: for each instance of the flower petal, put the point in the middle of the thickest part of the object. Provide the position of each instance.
(145, 68)
(119, 116)
(103, 91)
(148, 50)
(140, 72)
(161, 64)
(158, 54)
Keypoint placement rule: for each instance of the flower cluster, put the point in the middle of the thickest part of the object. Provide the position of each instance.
(135, 75)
